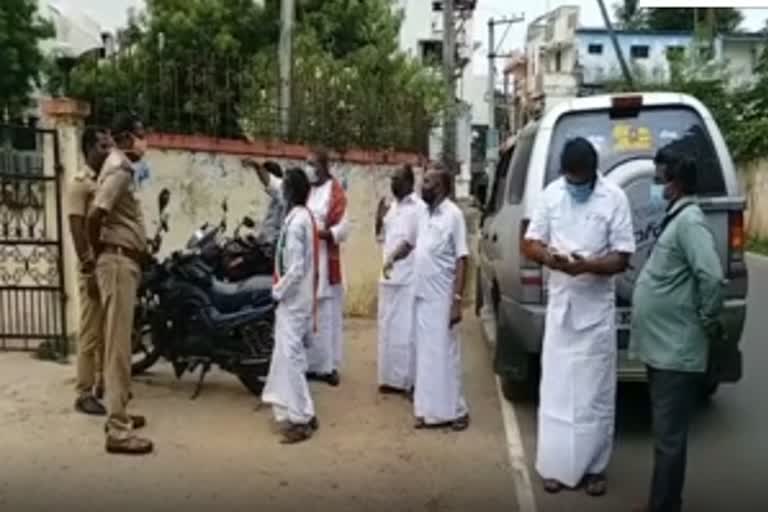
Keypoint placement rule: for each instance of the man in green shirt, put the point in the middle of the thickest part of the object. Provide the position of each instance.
(676, 307)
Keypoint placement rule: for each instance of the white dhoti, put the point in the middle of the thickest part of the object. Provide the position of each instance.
(397, 348)
(578, 396)
(438, 394)
(337, 329)
(320, 353)
(286, 388)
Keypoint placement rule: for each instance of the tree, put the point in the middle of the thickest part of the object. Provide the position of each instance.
(666, 18)
(21, 59)
(629, 16)
(210, 67)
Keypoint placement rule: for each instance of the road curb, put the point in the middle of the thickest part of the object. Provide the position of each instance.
(516, 452)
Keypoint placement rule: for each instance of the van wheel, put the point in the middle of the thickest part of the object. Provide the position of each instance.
(517, 391)
(708, 390)
(478, 293)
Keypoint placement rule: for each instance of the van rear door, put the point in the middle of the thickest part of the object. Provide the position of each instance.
(627, 135)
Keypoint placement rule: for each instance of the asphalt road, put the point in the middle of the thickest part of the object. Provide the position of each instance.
(728, 448)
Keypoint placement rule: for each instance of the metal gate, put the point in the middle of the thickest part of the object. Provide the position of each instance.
(32, 294)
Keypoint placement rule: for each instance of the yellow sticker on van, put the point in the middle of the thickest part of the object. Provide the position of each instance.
(631, 138)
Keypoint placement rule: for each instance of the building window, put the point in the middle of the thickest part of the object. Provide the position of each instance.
(675, 52)
(639, 51)
(558, 61)
(595, 49)
(431, 52)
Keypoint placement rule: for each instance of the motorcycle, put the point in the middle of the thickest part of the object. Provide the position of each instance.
(188, 317)
(233, 258)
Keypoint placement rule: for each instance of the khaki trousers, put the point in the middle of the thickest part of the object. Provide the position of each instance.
(90, 344)
(118, 280)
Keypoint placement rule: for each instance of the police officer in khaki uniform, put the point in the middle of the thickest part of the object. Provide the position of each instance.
(96, 145)
(118, 237)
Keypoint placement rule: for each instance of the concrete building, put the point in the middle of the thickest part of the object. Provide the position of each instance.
(421, 36)
(646, 52)
(562, 60)
(740, 53)
(551, 60)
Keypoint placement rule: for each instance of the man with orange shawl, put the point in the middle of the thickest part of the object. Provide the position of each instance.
(328, 204)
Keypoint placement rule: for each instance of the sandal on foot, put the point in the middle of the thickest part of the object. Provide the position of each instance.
(553, 486)
(595, 485)
(460, 424)
(296, 433)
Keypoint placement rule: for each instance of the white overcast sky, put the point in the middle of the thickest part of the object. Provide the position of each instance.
(111, 14)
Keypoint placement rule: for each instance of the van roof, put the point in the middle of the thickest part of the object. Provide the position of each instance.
(604, 101)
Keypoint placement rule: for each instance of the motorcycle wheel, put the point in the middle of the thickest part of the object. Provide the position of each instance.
(252, 382)
(145, 353)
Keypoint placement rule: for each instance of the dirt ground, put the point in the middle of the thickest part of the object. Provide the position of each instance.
(220, 452)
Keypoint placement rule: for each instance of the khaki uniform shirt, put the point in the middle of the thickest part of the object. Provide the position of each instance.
(116, 194)
(80, 193)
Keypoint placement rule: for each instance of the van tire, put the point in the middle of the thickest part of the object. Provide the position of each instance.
(708, 390)
(526, 391)
(478, 293)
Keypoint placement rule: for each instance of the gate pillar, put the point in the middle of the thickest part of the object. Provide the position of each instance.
(67, 116)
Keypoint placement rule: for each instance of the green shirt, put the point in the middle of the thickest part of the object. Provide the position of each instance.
(678, 295)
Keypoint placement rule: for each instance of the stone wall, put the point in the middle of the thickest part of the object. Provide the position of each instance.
(199, 180)
(756, 185)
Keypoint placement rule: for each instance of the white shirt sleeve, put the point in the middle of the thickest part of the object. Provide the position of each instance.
(460, 235)
(275, 186)
(621, 235)
(414, 219)
(295, 261)
(538, 227)
(340, 232)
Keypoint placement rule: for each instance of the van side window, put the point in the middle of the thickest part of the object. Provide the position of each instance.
(519, 167)
(499, 181)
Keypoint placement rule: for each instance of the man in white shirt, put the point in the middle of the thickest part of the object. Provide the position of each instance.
(328, 204)
(439, 264)
(294, 290)
(582, 231)
(397, 349)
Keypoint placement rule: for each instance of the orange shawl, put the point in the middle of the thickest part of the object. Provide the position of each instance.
(336, 209)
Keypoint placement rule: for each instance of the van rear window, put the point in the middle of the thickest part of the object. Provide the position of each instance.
(618, 140)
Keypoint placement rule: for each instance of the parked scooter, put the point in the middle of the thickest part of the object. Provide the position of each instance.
(195, 321)
(233, 258)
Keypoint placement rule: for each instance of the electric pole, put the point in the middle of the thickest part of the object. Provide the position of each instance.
(287, 14)
(449, 74)
(492, 135)
(619, 54)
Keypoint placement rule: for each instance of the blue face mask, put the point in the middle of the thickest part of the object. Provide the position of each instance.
(657, 196)
(141, 171)
(579, 192)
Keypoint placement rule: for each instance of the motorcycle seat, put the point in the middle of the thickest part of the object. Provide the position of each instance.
(232, 297)
(233, 320)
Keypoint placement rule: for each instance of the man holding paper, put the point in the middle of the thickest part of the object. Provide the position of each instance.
(582, 231)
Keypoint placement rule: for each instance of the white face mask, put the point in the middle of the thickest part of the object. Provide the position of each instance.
(311, 173)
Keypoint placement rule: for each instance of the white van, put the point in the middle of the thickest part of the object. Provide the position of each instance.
(626, 130)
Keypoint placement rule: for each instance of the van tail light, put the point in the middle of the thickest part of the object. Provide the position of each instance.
(531, 273)
(735, 237)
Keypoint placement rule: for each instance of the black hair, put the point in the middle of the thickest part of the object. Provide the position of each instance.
(410, 178)
(273, 168)
(90, 137)
(678, 169)
(297, 184)
(579, 155)
(124, 122)
(323, 158)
